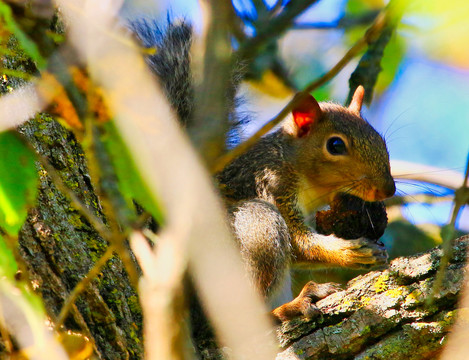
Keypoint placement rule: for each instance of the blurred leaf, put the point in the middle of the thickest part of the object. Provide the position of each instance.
(130, 182)
(18, 182)
(32, 336)
(8, 266)
(392, 58)
(77, 346)
(403, 238)
(359, 6)
(52, 89)
(323, 93)
(272, 85)
(307, 72)
(27, 44)
(443, 29)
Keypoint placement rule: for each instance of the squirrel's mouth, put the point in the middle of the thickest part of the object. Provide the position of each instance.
(379, 194)
(372, 193)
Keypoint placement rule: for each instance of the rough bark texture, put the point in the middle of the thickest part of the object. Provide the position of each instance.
(383, 314)
(59, 247)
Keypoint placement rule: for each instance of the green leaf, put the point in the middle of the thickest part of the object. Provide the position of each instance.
(369, 66)
(8, 266)
(18, 182)
(27, 44)
(392, 58)
(131, 183)
(359, 6)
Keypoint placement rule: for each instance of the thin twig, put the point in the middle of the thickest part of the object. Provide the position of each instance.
(272, 28)
(94, 271)
(409, 171)
(370, 35)
(82, 285)
(214, 94)
(343, 23)
(460, 199)
(276, 8)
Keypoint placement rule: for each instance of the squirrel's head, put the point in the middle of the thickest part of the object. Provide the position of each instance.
(338, 151)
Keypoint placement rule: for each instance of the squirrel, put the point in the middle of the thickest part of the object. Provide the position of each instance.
(321, 150)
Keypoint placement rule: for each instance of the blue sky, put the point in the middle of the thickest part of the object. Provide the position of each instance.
(426, 114)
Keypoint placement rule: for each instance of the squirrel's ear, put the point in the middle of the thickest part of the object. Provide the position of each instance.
(357, 100)
(305, 114)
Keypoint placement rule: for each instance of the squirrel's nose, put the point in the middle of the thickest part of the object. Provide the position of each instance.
(384, 191)
(389, 188)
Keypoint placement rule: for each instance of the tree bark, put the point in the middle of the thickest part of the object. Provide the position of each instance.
(59, 247)
(383, 314)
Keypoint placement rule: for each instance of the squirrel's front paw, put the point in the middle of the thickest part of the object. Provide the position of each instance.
(363, 253)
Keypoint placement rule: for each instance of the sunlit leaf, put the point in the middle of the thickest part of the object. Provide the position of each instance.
(130, 181)
(443, 29)
(18, 182)
(271, 85)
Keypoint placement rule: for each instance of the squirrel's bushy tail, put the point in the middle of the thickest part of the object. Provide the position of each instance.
(171, 64)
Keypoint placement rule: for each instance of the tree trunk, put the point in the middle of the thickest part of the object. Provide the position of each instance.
(59, 247)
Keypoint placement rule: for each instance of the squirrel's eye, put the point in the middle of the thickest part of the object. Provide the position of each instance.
(336, 146)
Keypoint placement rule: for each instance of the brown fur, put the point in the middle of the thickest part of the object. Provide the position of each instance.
(285, 175)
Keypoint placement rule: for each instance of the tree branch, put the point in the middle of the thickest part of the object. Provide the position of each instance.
(382, 313)
(266, 31)
(214, 95)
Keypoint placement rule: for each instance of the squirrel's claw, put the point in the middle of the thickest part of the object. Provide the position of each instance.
(365, 253)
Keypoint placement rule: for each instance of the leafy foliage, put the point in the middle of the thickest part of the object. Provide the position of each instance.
(18, 182)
